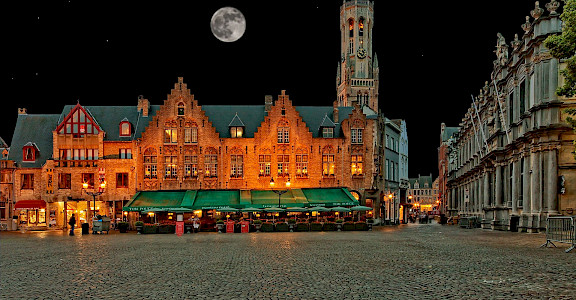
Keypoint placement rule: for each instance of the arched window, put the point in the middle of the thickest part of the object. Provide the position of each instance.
(351, 36)
(150, 164)
(361, 27)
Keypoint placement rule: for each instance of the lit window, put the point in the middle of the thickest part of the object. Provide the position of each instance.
(264, 162)
(150, 164)
(170, 136)
(301, 165)
(78, 123)
(236, 132)
(283, 163)
(211, 165)
(328, 164)
(125, 128)
(356, 164)
(89, 179)
(170, 167)
(190, 166)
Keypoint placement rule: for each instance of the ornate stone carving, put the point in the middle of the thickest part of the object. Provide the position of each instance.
(527, 26)
(552, 6)
(501, 50)
(537, 12)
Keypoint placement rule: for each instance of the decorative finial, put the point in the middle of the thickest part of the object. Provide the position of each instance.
(527, 26)
(552, 6)
(537, 11)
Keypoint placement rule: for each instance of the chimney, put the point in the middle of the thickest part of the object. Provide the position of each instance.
(267, 103)
(143, 105)
(22, 111)
(335, 114)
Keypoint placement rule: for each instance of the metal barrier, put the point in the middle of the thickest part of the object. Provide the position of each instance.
(561, 230)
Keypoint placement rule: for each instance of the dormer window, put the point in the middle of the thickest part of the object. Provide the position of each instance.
(29, 152)
(78, 123)
(327, 127)
(125, 128)
(180, 109)
(236, 132)
(327, 132)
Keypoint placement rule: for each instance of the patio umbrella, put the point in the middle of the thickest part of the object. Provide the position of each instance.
(251, 209)
(360, 208)
(180, 210)
(274, 210)
(318, 208)
(340, 209)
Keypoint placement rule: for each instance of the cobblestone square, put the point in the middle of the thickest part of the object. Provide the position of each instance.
(404, 262)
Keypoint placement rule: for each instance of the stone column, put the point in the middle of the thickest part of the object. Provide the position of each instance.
(515, 186)
(480, 201)
(526, 205)
(486, 189)
(499, 186)
(552, 181)
(535, 183)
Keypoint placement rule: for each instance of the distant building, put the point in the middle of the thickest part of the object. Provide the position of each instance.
(423, 193)
(510, 163)
(446, 140)
(6, 168)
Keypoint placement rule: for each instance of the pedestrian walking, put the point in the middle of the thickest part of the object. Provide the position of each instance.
(196, 224)
(72, 223)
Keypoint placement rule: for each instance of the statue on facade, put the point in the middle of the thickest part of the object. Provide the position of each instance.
(501, 50)
(527, 26)
(516, 42)
(537, 12)
(552, 6)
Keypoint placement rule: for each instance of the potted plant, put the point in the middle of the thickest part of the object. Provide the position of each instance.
(139, 225)
(257, 225)
(302, 226)
(339, 224)
(315, 226)
(370, 223)
(220, 225)
(291, 224)
(123, 226)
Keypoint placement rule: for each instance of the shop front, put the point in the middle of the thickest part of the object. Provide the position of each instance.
(31, 213)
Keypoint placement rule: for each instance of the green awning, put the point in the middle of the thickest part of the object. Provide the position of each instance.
(215, 199)
(329, 197)
(155, 201)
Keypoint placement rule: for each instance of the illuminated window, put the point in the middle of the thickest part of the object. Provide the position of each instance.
(170, 136)
(211, 165)
(264, 162)
(302, 165)
(356, 163)
(236, 166)
(328, 164)
(150, 164)
(361, 27)
(236, 132)
(125, 128)
(283, 163)
(190, 166)
(170, 167)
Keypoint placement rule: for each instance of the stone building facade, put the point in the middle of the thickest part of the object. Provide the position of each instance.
(510, 158)
(423, 193)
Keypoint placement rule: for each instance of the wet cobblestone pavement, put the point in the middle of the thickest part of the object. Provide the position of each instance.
(406, 262)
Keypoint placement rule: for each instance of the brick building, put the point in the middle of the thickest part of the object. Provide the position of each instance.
(211, 155)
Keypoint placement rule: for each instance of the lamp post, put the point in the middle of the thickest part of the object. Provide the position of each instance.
(279, 192)
(93, 194)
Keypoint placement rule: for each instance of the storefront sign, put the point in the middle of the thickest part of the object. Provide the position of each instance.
(50, 181)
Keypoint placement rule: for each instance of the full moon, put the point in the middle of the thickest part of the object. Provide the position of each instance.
(228, 24)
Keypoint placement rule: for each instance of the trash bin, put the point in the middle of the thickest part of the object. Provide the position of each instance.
(85, 228)
(514, 220)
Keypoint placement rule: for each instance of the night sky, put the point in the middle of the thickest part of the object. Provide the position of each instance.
(432, 56)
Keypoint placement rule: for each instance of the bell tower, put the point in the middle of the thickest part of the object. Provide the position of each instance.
(358, 73)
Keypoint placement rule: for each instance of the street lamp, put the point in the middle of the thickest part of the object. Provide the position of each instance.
(279, 192)
(94, 194)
